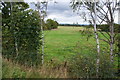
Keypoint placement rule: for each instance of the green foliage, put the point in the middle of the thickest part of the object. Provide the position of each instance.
(105, 27)
(10, 70)
(17, 73)
(84, 66)
(87, 31)
(118, 51)
(51, 24)
(118, 42)
(21, 30)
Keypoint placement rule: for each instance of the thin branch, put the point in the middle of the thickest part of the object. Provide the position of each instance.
(102, 8)
(102, 19)
(115, 6)
(104, 35)
(105, 40)
(108, 33)
(105, 15)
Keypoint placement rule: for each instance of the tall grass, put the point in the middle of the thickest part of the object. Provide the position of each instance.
(48, 70)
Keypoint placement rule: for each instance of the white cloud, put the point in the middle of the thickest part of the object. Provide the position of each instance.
(62, 12)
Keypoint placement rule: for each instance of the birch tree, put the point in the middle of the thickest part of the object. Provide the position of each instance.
(42, 7)
(106, 10)
(92, 7)
(101, 11)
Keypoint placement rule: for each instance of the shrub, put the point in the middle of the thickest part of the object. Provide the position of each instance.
(21, 34)
(51, 24)
(84, 66)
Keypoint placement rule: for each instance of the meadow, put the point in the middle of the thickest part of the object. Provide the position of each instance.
(60, 45)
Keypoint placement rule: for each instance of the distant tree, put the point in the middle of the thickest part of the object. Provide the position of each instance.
(51, 24)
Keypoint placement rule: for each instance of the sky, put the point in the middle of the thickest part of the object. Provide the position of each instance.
(62, 12)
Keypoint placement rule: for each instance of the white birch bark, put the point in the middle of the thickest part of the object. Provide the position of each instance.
(42, 41)
(41, 13)
(42, 33)
(111, 26)
(96, 37)
(112, 42)
(97, 42)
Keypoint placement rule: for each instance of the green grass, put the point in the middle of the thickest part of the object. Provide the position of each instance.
(61, 43)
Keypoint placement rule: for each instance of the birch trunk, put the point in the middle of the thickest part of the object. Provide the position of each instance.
(42, 41)
(42, 19)
(112, 41)
(97, 42)
(111, 26)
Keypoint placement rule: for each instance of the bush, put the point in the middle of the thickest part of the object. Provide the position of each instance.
(51, 24)
(84, 66)
(21, 34)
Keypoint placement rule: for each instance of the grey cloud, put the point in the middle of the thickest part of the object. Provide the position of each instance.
(62, 8)
(62, 12)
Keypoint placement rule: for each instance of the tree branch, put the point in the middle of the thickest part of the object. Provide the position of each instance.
(105, 40)
(104, 35)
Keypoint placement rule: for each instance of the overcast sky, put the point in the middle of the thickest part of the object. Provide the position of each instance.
(62, 12)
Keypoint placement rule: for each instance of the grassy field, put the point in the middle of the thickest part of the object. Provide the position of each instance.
(60, 45)
(63, 42)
